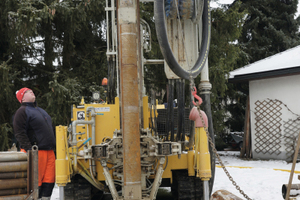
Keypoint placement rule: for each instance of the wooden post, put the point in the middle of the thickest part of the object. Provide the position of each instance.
(246, 141)
(293, 169)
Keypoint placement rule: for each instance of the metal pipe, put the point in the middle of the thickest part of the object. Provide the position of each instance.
(61, 192)
(129, 41)
(107, 27)
(14, 197)
(74, 124)
(205, 73)
(294, 187)
(13, 183)
(116, 58)
(109, 181)
(205, 91)
(142, 89)
(157, 180)
(13, 191)
(13, 166)
(153, 61)
(10, 175)
(74, 139)
(113, 25)
(10, 157)
(205, 190)
(32, 173)
(93, 115)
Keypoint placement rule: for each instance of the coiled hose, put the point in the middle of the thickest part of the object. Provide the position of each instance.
(161, 31)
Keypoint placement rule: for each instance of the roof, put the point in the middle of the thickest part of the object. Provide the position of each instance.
(281, 64)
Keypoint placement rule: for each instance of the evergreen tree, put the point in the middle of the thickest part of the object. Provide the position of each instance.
(155, 78)
(8, 104)
(224, 54)
(7, 77)
(65, 32)
(54, 47)
(270, 27)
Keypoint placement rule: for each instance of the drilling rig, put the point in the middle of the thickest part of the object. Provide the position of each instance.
(128, 146)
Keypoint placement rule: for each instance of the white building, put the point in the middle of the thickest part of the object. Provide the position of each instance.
(274, 93)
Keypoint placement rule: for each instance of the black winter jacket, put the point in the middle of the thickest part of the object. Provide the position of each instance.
(33, 126)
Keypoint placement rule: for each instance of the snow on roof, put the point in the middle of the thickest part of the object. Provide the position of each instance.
(286, 59)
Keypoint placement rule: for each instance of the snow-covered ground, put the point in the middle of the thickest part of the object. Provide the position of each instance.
(262, 180)
(259, 179)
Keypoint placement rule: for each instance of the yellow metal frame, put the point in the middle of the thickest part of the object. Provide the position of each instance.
(62, 164)
(202, 158)
(107, 122)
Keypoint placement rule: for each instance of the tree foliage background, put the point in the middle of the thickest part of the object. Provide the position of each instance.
(250, 31)
(58, 49)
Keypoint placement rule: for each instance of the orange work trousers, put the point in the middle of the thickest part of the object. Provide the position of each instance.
(46, 166)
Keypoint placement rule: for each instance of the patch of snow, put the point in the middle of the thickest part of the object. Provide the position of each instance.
(286, 59)
(262, 180)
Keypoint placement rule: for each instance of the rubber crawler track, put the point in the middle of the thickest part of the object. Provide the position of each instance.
(78, 189)
(186, 187)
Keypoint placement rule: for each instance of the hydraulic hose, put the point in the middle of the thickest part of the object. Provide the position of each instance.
(170, 110)
(161, 31)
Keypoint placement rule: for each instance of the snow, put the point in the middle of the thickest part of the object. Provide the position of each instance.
(262, 180)
(286, 59)
(259, 179)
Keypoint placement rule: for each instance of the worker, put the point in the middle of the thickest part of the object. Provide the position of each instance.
(33, 126)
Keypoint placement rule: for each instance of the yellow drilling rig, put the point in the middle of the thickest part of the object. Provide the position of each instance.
(128, 146)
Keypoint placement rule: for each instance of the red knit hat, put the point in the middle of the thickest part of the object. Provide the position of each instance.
(20, 93)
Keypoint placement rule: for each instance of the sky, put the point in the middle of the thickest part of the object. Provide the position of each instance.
(214, 4)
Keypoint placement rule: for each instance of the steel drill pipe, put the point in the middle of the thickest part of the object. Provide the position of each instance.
(13, 166)
(10, 175)
(10, 157)
(13, 183)
(13, 191)
(32, 173)
(14, 197)
(129, 35)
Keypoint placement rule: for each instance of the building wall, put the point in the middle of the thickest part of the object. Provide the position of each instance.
(275, 117)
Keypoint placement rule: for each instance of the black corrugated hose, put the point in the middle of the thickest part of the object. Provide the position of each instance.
(161, 31)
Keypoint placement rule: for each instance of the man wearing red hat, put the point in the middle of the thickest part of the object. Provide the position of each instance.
(33, 126)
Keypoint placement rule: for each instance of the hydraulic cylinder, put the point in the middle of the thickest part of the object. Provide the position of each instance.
(61, 163)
